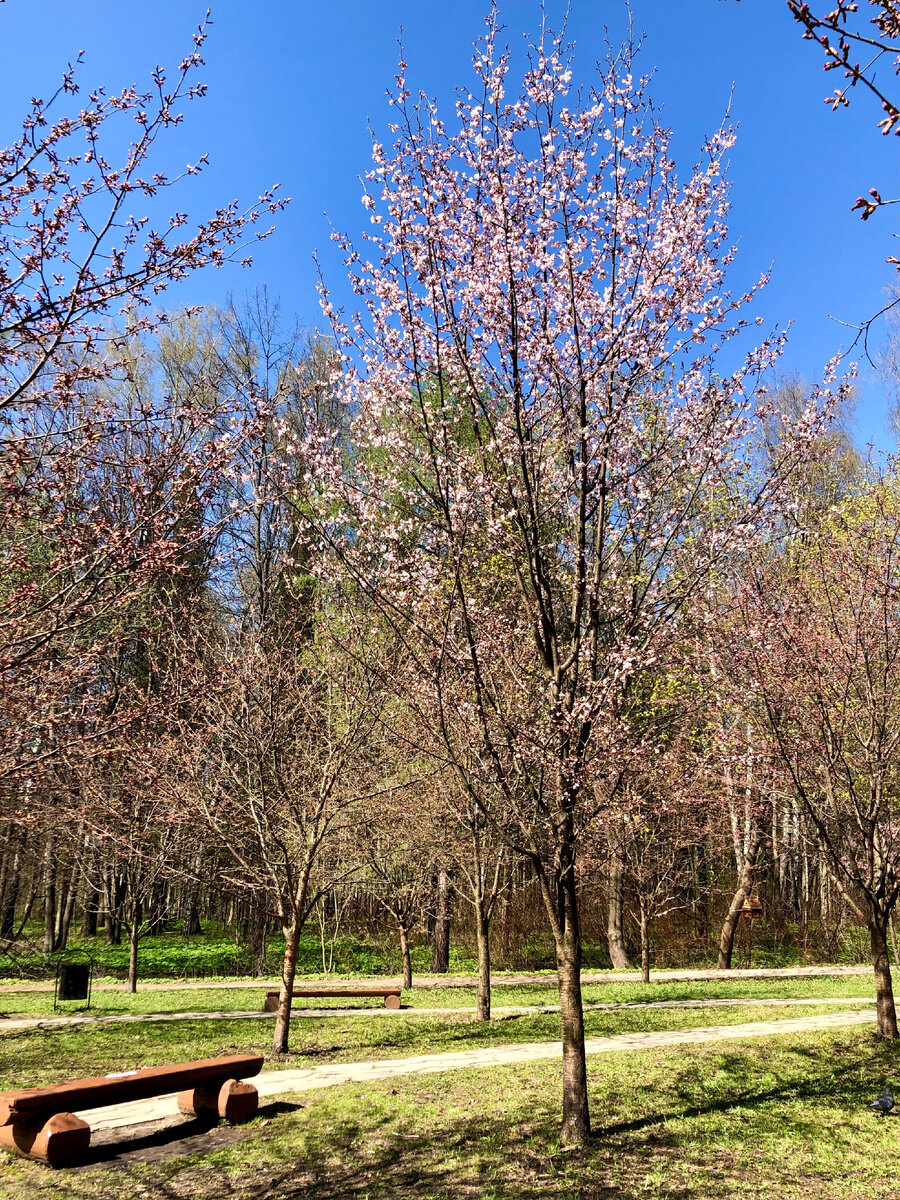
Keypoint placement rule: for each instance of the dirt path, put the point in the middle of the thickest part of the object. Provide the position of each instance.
(290, 1082)
(455, 981)
(8, 1024)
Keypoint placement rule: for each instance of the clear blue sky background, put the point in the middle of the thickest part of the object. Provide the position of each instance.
(293, 86)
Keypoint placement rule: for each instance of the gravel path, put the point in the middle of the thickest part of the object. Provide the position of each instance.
(16, 1023)
(291, 1082)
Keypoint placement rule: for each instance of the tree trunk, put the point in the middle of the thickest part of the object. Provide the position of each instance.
(11, 881)
(133, 938)
(404, 955)
(114, 887)
(440, 953)
(191, 926)
(615, 894)
(482, 934)
(561, 903)
(256, 941)
(67, 912)
(884, 990)
(576, 1125)
(505, 928)
(48, 876)
(89, 912)
(288, 973)
(745, 881)
(645, 947)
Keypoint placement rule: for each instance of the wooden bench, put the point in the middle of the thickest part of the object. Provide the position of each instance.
(38, 1122)
(391, 995)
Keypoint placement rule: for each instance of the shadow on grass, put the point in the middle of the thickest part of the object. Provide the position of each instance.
(812, 1090)
(159, 1141)
(465, 1137)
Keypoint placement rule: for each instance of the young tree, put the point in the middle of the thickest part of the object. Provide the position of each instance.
(280, 743)
(549, 461)
(820, 667)
(399, 857)
(273, 760)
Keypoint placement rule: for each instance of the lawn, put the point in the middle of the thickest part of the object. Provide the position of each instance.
(249, 997)
(215, 953)
(32, 1057)
(786, 1117)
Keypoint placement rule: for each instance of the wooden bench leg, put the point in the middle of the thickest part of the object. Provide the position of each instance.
(392, 1002)
(61, 1140)
(235, 1101)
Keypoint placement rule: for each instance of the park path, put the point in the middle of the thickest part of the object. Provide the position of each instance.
(292, 1082)
(8, 1024)
(458, 981)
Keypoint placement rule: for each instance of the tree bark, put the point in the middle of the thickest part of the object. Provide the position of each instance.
(89, 914)
(11, 882)
(884, 990)
(134, 935)
(576, 1125)
(67, 912)
(561, 903)
(191, 926)
(114, 888)
(288, 972)
(404, 955)
(745, 881)
(440, 953)
(645, 948)
(48, 876)
(482, 934)
(615, 895)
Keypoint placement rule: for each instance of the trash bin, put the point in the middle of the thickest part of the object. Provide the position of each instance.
(74, 980)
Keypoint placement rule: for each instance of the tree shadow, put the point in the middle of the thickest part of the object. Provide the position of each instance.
(168, 1138)
(810, 1090)
(330, 1148)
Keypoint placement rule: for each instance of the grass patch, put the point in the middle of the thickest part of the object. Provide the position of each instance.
(32, 1057)
(249, 997)
(216, 953)
(782, 1118)
(172, 955)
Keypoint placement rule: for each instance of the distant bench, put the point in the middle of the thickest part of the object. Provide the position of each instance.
(391, 995)
(38, 1123)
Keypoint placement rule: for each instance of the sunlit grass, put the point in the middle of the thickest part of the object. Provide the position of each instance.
(786, 1118)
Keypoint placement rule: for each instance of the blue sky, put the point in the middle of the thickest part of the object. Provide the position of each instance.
(293, 87)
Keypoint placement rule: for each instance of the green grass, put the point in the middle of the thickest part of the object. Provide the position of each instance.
(785, 1118)
(32, 1057)
(250, 997)
(215, 952)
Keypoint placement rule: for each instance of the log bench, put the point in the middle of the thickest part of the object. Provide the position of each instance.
(391, 995)
(38, 1122)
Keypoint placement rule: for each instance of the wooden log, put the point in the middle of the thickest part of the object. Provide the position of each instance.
(30, 1104)
(62, 1139)
(235, 1101)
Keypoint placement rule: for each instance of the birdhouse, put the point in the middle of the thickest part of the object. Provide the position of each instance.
(752, 907)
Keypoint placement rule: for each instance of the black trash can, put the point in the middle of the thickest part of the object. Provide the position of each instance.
(74, 980)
